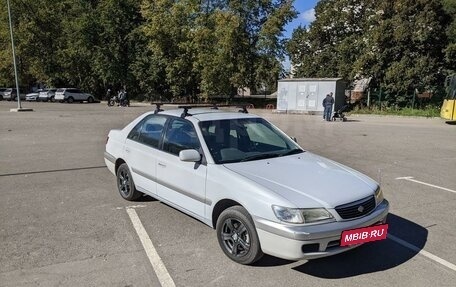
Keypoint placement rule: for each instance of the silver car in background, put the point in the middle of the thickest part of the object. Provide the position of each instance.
(10, 94)
(2, 90)
(47, 95)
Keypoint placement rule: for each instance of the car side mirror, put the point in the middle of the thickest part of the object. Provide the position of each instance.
(189, 155)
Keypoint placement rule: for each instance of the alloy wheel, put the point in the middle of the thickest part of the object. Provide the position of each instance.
(235, 237)
(124, 183)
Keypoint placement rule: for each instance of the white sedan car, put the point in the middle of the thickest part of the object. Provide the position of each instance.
(242, 176)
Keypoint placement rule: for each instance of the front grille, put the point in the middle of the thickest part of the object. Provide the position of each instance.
(357, 208)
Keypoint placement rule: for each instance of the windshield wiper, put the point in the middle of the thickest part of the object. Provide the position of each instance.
(260, 156)
(293, 151)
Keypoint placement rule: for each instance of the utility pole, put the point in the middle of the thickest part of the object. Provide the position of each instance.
(19, 107)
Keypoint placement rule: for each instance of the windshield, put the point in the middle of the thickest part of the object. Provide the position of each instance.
(237, 140)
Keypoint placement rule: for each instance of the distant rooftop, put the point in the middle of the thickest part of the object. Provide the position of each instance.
(310, 79)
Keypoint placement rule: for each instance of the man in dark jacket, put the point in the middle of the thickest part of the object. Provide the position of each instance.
(328, 104)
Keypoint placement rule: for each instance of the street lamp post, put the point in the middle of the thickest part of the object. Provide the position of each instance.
(19, 107)
(14, 56)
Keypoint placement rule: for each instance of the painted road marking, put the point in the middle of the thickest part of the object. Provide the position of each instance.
(157, 264)
(410, 178)
(131, 206)
(423, 252)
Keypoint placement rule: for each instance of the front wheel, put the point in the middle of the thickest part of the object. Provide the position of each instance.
(70, 100)
(125, 184)
(90, 100)
(237, 236)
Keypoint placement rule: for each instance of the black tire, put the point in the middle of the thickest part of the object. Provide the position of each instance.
(90, 100)
(52, 99)
(125, 184)
(1, 98)
(70, 100)
(237, 236)
(111, 103)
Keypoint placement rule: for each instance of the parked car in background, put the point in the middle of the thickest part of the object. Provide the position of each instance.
(47, 95)
(71, 95)
(2, 90)
(11, 95)
(242, 176)
(33, 96)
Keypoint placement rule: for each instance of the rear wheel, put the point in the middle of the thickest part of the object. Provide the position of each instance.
(52, 99)
(70, 100)
(125, 184)
(90, 100)
(237, 236)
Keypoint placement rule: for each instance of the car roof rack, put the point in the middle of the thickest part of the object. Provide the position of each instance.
(212, 106)
(185, 113)
(244, 108)
(157, 107)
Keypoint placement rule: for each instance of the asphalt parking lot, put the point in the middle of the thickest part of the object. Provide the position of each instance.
(63, 223)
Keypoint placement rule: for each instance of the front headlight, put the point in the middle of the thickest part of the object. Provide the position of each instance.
(378, 195)
(301, 215)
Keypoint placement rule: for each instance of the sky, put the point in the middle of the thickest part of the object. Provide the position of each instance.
(305, 8)
(306, 11)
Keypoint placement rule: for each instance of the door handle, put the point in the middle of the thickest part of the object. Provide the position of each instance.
(162, 164)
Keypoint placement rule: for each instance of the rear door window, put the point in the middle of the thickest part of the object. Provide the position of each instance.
(149, 130)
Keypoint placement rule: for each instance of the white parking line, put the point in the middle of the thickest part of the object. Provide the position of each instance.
(410, 178)
(157, 264)
(423, 252)
(131, 206)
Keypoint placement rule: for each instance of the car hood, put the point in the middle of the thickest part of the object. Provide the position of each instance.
(307, 180)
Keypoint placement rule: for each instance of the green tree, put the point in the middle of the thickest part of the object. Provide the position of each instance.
(404, 47)
(450, 51)
(333, 42)
(117, 43)
(399, 43)
(213, 47)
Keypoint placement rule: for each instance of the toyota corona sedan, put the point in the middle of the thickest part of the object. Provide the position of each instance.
(244, 177)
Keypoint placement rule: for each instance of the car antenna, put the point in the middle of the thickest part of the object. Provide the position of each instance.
(157, 108)
(185, 113)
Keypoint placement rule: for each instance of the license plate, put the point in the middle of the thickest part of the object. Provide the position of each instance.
(363, 235)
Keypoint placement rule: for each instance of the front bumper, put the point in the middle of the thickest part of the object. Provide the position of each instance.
(292, 241)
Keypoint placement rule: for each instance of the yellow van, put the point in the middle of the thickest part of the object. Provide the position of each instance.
(448, 111)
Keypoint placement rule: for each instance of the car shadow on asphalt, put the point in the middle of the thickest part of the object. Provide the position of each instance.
(146, 198)
(370, 257)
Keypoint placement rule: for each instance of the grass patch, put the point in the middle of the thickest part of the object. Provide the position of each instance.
(428, 112)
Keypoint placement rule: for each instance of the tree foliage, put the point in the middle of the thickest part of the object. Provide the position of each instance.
(158, 48)
(401, 44)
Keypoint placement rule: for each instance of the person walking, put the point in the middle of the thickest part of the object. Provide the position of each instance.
(328, 103)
